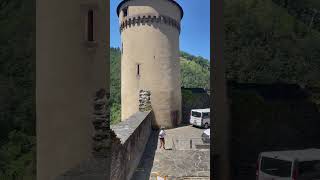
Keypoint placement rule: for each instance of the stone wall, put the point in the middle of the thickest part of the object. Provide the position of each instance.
(129, 144)
(144, 100)
(69, 70)
(128, 141)
(101, 123)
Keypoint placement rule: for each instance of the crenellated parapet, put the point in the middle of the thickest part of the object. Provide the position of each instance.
(147, 19)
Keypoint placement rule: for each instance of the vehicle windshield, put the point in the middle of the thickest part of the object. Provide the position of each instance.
(309, 167)
(196, 114)
(276, 167)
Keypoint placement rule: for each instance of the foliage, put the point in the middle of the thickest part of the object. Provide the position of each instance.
(115, 113)
(273, 124)
(204, 63)
(115, 75)
(17, 88)
(270, 41)
(115, 85)
(18, 155)
(306, 11)
(260, 125)
(266, 44)
(193, 101)
(195, 71)
(187, 96)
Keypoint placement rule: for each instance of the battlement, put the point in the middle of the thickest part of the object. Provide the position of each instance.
(148, 19)
(171, 1)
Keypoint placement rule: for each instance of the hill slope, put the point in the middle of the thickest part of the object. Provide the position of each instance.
(17, 88)
(264, 43)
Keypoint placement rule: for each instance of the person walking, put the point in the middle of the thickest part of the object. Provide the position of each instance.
(162, 134)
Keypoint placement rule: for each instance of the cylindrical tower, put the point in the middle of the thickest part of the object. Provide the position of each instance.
(150, 58)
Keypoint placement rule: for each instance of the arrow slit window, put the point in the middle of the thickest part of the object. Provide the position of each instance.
(90, 26)
(89, 22)
(138, 69)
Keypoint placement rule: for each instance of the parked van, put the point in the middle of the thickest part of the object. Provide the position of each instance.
(289, 165)
(200, 117)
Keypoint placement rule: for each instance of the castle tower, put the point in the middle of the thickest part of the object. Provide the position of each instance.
(150, 58)
(71, 66)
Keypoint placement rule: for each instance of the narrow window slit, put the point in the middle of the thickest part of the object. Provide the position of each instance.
(90, 26)
(138, 69)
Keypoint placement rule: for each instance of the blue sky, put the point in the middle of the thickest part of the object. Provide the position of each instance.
(195, 27)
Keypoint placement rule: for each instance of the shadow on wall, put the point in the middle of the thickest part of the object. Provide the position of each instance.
(129, 144)
(271, 117)
(144, 168)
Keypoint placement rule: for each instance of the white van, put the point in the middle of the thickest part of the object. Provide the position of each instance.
(289, 165)
(200, 117)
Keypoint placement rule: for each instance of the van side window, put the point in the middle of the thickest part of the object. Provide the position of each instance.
(195, 114)
(306, 167)
(205, 115)
(276, 167)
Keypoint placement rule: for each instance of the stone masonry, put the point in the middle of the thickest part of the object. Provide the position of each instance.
(131, 136)
(101, 123)
(150, 58)
(144, 100)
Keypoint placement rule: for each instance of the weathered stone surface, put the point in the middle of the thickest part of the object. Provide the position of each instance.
(101, 122)
(125, 129)
(177, 162)
(144, 100)
(131, 136)
(117, 152)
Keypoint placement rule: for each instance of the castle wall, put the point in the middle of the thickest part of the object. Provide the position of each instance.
(154, 45)
(68, 73)
(129, 139)
(129, 144)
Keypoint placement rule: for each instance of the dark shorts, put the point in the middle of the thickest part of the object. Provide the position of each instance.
(161, 138)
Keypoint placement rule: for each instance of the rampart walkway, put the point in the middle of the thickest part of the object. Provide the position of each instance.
(178, 161)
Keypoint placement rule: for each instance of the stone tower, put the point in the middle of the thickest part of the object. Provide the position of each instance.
(71, 66)
(150, 32)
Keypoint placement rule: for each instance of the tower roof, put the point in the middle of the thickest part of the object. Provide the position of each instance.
(172, 1)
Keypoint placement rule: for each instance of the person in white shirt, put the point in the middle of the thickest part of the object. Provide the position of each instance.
(162, 134)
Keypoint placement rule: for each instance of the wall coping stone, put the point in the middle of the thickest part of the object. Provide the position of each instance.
(126, 128)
